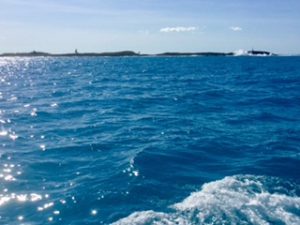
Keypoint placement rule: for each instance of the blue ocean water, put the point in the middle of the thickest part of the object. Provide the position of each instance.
(150, 140)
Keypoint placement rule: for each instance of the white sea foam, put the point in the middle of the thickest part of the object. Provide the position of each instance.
(232, 200)
(240, 52)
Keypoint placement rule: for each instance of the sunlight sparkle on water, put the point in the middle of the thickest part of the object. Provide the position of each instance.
(43, 147)
(94, 212)
(20, 218)
(13, 136)
(3, 133)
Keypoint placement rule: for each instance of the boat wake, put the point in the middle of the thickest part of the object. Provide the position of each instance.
(242, 52)
(241, 199)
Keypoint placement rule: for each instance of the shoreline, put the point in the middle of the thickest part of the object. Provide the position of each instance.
(132, 53)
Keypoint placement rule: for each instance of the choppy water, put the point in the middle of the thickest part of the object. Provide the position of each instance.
(187, 140)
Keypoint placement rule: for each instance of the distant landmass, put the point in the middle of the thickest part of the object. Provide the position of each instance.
(132, 53)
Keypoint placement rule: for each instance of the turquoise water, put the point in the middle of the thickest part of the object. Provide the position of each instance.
(150, 140)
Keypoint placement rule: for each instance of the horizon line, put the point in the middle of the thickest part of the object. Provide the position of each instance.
(138, 53)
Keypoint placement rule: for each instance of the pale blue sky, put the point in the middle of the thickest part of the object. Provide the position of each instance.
(149, 26)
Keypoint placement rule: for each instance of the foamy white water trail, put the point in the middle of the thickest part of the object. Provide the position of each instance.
(240, 52)
(232, 200)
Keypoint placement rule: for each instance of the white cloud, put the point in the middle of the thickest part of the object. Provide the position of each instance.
(236, 28)
(177, 29)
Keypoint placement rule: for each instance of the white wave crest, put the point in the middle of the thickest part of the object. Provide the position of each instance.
(240, 52)
(232, 200)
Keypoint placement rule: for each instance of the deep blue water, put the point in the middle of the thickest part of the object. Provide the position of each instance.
(154, 140)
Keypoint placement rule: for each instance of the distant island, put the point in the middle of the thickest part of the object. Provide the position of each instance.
(132, 53)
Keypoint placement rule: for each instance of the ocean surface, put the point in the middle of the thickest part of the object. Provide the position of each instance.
(150, 140)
